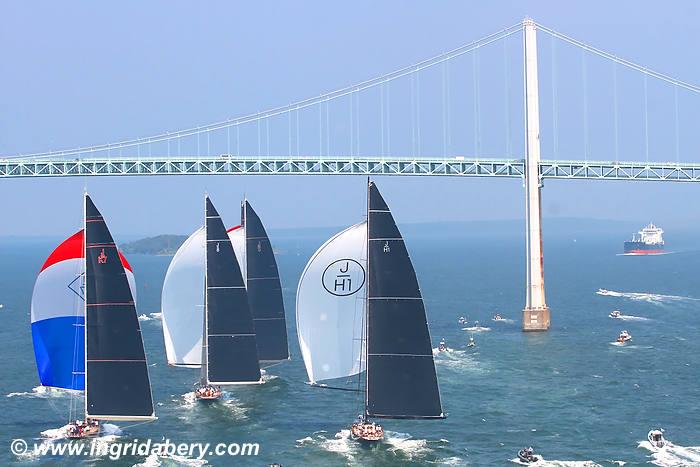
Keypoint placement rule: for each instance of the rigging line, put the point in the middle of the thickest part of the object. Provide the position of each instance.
(444, 113)
(297, 124)
(289, 134)
(309, 102)
(555, 103)
(381, 113)
(328, 129)
(675, 102)
(449, 109)
(646, 118)
(418, 140)
(586, 149)
(477, 104)
(388, 120)
(506, 93)
(413, 115)
(621, 61)
(615, 113)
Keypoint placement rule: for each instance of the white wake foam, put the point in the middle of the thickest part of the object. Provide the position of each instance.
(645, 297)
(143, 317)
(556, 463)
(476, 329)
(42, 392)
(672, 455)
(154, 460)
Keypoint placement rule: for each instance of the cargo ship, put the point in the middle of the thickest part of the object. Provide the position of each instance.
(648, 241)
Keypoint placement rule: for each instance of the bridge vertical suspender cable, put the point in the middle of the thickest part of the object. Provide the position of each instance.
(506, 93)
(646, 118)
(555, 110)
(584, 70)
(675, 104)
(615, 113)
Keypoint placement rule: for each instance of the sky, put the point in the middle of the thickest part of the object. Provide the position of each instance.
(82, 73)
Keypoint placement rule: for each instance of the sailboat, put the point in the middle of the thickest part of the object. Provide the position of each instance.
(114, 373)
(207, 321)
(360, 311)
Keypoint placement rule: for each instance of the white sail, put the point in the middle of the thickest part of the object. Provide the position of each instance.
(182, 303)
(182, 300)
(330, 306)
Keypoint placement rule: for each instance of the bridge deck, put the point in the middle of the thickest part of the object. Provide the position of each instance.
(240, 165)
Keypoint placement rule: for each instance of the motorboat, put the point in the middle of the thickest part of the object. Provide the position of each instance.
(462, 320)
(442, 346)
(528, 456)
(656, 438)
(498, 317)
(624, 337)
(472, 342)
(615, 314)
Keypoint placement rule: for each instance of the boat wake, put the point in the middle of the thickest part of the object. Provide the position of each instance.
(227, 401)
(154, 460)
(633, 318)
(477, 329)
(41, 392)
(672, 455)
(143, 317)
(646, 297)
(555, 463)
(459, 361)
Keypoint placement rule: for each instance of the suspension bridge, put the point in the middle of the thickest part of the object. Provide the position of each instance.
(353, 131)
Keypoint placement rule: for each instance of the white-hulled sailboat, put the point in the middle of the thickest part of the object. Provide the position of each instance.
(359, 309)
(99, 349)
(207, 320)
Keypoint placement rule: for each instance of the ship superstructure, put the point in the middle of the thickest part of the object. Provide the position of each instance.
(648, 241)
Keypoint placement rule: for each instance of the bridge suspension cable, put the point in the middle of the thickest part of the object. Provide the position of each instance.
(295, 106)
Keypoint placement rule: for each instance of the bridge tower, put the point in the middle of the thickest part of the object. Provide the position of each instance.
(536, 313)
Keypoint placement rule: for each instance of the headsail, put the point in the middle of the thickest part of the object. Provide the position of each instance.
(330, 306)
(118, 387)
(401, 378)
(231, 355)
(182, 303)
(58, 315)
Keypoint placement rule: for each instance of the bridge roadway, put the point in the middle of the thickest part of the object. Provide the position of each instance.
(346, 165)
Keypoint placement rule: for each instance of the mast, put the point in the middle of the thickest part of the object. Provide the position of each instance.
(366, 313)
(85, 301)
(205, 328)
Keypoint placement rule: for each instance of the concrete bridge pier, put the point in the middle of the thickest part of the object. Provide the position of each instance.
(536, 315)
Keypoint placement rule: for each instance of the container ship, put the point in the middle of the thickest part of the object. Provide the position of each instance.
(648, 241)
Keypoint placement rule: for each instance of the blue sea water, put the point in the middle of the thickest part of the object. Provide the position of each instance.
(570, 393)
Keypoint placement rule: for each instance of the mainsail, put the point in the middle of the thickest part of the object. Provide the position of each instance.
(118, 387)
(58, 315)
(401, 378)
(230, 352)
(263, 285)
(330, 307)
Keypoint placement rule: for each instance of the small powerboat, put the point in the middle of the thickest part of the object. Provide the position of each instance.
(471, 342)
(363, 430)
(462, 320)
(656, 438)
(615, 314)
(498, 317)
(528, 456)
(624, 337)
(442, 346)
(207, 393)
(80, 429)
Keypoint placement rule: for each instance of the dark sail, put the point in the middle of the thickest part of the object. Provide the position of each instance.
(401, 379)
(264, 289)
(118, 387)
(231, 350)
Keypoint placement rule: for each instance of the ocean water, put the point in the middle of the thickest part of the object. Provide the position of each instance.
(570, 393)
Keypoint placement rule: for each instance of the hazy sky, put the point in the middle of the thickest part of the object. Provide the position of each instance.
(81, 73)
